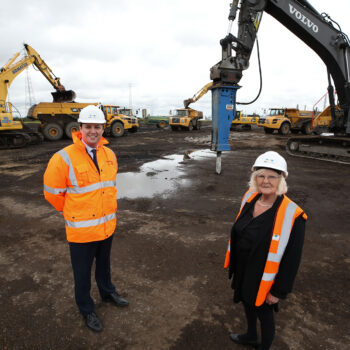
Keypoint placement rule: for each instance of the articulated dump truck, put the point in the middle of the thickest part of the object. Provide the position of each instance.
(59, 119)
(243, 121)
(186, 119)
(286, 120)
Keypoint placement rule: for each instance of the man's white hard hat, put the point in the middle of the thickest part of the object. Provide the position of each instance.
(91, 114)
(271, 160)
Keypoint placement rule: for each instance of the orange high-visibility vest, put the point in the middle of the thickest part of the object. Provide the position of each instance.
(87, 198)
(287, 212)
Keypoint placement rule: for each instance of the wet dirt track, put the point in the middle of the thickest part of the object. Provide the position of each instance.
(168, 253)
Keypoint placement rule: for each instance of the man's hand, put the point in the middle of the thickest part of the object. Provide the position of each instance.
(270, 299)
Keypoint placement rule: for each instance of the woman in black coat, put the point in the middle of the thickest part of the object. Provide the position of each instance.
(265, 248)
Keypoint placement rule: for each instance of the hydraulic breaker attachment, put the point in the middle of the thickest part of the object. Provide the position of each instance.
(223, 113)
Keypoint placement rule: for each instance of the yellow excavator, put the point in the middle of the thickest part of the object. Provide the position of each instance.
(12, 133)
(188, 118)
(198, 94)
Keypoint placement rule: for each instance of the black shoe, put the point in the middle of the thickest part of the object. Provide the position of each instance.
(93, 322)
(243, 339)
(116, 299)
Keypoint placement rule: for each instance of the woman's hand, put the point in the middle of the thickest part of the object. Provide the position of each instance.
(270, 299)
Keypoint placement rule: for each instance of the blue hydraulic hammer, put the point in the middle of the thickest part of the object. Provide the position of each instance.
(223, 113)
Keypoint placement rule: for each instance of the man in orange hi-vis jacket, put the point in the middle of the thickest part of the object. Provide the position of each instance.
(80, 182)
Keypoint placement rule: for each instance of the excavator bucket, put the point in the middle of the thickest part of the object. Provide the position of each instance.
(187, 102)
(63, 96)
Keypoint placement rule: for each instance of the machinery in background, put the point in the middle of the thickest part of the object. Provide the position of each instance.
(321, 122)
(286, 120)
(160, 121)
(118, 122)
(316, 30)
(186, 119)
(198, 95)
(58, 119)
(13, 134)
(243, 121)
(126, 111)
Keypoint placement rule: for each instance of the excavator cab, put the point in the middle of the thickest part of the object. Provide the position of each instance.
(6, 119)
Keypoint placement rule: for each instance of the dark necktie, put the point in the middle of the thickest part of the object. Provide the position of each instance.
(94, 159)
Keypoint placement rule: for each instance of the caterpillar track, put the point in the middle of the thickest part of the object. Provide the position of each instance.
(18, 139)
(328, 148)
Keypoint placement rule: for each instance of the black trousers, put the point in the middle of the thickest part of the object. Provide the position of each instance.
(265, 314)
(82, 257)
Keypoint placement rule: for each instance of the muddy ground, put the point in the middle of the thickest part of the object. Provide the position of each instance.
(168, 252)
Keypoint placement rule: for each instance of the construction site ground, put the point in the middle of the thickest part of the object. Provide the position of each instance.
(168, 250)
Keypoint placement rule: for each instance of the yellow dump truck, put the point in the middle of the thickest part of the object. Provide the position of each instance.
(286, 120)
(58, 119)
(186, 119)
(118, 122)
(244, 121)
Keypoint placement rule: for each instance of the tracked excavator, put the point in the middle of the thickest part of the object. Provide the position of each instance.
(13, 134)
(323, 35)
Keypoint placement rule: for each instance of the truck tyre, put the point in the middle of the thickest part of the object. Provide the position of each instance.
(190, 126)
(198, 125)
(268, 130)
(174, 128)
(71, 127)
(52, 132)
(284, 129)
(161, 124)
(117, 129)
(307, 128)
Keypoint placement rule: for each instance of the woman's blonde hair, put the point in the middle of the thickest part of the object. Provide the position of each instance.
(282, 186)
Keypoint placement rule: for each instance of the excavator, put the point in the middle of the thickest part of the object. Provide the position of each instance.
(12, 133)
(198, 94)
(187, 118)
(317, 30)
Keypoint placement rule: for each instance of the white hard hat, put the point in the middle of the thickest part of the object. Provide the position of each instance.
(271, 160)
(91, 114)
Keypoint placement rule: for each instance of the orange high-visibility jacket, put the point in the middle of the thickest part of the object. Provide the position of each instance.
(286, 214)
(87, 198)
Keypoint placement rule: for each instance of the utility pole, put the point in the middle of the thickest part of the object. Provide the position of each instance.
(29, 93)
(130, 96)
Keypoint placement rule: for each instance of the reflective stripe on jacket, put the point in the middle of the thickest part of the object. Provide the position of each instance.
(286, 214)
(87, 198)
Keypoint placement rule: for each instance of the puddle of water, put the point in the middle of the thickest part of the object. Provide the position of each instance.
(161, 177)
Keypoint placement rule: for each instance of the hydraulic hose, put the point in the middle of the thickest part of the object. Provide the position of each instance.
(260, 74)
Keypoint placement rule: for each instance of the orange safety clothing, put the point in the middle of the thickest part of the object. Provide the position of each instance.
(287, 212)
(87, 198)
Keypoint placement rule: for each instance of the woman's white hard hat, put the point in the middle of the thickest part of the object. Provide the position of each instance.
(271, 160)
(91, 114)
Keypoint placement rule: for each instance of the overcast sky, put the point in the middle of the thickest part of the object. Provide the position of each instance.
(156, 53)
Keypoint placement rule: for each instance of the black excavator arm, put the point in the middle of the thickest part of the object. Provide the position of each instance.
(314, 29)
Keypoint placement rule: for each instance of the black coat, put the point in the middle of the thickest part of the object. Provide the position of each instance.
(247, 272)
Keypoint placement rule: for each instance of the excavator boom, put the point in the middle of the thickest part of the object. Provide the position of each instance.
(198, 95)
(321, 34)
(61, 94)
(12, 133)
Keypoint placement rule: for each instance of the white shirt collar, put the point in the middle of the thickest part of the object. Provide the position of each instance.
(88, 148)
